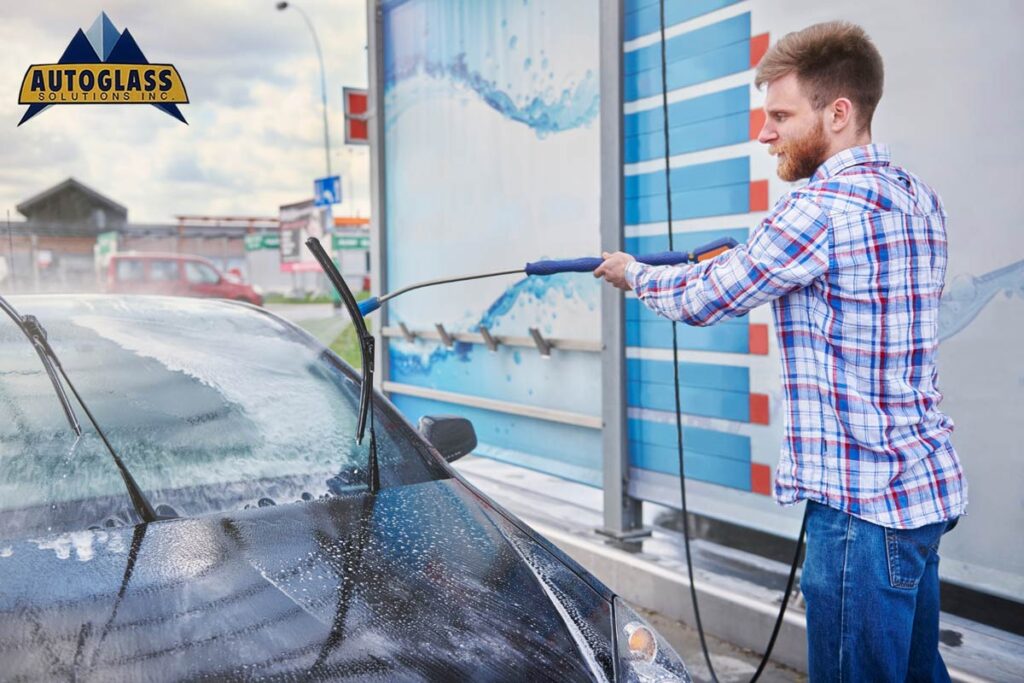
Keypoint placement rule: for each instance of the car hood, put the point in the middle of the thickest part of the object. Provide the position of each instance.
(418, 582)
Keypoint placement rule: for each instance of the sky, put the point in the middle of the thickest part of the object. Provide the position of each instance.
(254, 138)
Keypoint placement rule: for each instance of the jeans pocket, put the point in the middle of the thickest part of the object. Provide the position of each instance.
(907, 552)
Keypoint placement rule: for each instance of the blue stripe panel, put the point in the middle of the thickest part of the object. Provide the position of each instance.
(702, 55)
(723, 336)
(692, 177)
(712, 120)
(637, 312)
(686, 241)
(727, 405)
(721, 391)
(695, 440)
(704, 108)
(647, 329)
(687, 46)
(700, 375)
(558, 449)
(731, 129)
(644, 16)
(710, 468)
(714, 201)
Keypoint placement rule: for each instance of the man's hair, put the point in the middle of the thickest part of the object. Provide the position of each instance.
(831, 60)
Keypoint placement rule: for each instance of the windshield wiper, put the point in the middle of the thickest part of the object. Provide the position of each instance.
(366, 347)
(30, 327)
(36, 335)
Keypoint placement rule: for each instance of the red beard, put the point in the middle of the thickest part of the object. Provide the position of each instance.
(803, 157)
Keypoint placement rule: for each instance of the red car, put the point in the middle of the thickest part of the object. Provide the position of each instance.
(175, 275)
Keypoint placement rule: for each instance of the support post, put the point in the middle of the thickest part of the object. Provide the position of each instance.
(622, 514)
(378, 218)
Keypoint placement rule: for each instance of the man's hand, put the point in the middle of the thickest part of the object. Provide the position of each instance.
(614, 269)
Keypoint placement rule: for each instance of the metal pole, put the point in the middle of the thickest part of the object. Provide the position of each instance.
(34, 243)
(323, 85)
(623, 520)
(378, 219)
(10, 241)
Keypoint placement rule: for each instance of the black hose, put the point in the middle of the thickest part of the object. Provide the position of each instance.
(679, 415)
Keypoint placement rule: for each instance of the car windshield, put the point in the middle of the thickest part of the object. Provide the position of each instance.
(212, 406)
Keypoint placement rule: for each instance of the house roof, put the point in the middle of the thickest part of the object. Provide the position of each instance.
(31, 203)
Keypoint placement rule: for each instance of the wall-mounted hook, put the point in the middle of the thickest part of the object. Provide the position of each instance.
(409, 336)
(491, 342)
(543, 345)
(445, 337)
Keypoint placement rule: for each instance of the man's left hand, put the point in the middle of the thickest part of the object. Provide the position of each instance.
(614, 269)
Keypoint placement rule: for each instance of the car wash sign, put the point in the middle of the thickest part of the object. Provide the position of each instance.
(102, 66)
(263, 240)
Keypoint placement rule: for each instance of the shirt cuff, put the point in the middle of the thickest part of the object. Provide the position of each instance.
(634, 273)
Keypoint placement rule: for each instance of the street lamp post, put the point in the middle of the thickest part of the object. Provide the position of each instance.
(323, 80)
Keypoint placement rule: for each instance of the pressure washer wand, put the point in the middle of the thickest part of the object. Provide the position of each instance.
(579, 265)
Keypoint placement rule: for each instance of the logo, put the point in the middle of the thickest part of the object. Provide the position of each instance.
(102, 66)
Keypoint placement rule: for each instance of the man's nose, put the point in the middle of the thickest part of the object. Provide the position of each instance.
(768, 133)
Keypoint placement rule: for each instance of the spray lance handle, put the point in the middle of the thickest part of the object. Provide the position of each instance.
(664, 258)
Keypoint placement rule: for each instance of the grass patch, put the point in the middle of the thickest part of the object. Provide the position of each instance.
(275, 298)
(346, 345)
(278, 298)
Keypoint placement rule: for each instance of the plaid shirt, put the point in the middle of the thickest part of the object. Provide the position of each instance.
(853, 264)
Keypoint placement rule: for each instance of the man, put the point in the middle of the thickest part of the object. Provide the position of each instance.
(854, 264)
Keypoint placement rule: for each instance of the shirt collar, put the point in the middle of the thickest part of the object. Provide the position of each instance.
(877, 155)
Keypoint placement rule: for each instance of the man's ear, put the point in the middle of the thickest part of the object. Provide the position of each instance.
(840, 115)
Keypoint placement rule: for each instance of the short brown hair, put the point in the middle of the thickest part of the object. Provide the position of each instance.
(831, 60)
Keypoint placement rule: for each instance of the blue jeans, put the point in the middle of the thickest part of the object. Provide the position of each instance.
(872, 597)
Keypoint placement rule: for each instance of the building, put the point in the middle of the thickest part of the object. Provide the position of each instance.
(70, 228)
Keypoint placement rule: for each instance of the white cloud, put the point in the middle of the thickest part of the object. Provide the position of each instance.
(255, 134)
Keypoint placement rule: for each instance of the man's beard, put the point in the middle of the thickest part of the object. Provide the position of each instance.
(804, 156)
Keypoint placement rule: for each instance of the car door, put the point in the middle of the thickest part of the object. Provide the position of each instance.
(129, 276)
(165, 277)
(201, 279)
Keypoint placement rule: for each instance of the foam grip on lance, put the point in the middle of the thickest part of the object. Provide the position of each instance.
(575, 265)
(664, 258)
(368, 306)
(588, 264)
(701, 253)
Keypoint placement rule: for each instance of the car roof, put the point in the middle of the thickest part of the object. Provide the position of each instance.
(164, 255)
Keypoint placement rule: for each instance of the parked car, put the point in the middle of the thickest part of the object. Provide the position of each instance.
(272, 558)
(175, 275)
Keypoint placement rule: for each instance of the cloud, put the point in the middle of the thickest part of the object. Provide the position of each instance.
(255, 134)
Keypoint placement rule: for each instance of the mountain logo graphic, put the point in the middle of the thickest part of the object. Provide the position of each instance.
(102, 66)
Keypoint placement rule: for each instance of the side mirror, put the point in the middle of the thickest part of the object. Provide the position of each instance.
(452, 436)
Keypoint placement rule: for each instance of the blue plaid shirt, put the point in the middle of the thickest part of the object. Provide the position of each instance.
(854, 264)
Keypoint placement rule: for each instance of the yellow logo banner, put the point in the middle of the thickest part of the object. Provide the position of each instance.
(102, 84)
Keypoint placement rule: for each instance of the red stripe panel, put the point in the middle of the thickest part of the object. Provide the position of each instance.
(760, 478)
(758, 339)
(757, 117)
(759, 409)
(758, 46)
(759, 196)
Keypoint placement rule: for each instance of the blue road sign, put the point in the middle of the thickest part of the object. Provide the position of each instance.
(327, 191)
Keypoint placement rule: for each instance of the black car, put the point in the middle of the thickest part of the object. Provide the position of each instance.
(268, 557)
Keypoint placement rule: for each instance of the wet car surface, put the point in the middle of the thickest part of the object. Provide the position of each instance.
(277, 563)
